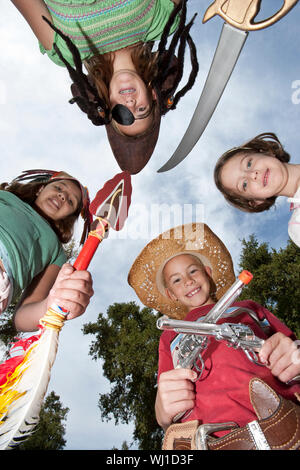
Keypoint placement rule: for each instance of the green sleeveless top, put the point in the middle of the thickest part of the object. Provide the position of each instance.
(29, 240)
(100, 26)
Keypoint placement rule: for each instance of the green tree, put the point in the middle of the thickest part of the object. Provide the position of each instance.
(7, 327)
(127, 341)
(50, 431)
(276, 279)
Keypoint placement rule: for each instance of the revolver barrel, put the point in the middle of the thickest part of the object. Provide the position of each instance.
(187, 327)
(229, 297)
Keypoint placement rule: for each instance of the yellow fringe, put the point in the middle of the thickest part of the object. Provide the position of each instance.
(53, 320)
(9, 394)
(6, 401)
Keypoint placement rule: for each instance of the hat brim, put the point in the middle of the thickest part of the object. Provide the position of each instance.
(133, 153)
(194, 238)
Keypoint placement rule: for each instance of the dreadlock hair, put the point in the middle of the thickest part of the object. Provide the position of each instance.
(90, 92)
(28, 193)
(165, 59)
(89, 100)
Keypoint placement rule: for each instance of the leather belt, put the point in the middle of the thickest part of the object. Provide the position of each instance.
(277, 427)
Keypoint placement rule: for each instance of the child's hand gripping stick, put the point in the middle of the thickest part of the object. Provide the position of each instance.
(110, 207)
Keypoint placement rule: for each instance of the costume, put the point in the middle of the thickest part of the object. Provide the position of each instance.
(222, 391)
(230, 387)
(104, 25)
(294, 222)
(28, 240)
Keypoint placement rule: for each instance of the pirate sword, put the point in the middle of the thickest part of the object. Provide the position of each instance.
(239, 20)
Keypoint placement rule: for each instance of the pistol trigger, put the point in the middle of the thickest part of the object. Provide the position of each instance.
(199, 370)
(252, 356)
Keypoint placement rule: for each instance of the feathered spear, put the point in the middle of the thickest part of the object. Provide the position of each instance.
(24, 379)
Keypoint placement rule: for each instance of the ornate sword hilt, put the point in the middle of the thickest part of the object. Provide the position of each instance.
(241, 14)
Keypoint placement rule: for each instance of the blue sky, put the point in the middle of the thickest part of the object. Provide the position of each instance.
(40, 129)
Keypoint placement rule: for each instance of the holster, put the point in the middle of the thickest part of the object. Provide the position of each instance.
(277, 426)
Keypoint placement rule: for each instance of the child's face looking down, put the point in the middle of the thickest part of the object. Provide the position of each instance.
(254, 176)
(187, 281)
(59, 199)
(127, 88)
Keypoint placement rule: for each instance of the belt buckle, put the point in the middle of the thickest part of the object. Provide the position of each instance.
(204, 430)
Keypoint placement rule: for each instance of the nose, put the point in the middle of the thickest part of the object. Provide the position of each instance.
(188, 280)
(62, 195)
(254, 175)
(129, 98)
(130, 101)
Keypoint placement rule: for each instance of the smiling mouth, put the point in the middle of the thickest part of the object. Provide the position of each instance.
(54, 203)
(127, 91)
(193, 292)
(266, 177)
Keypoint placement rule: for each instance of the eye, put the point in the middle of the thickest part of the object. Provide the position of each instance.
(193, 270)
(141, 109)
(244, 185)
(249, 163)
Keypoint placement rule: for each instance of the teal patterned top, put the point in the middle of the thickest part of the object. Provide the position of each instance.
(106, 25)
(31, 243)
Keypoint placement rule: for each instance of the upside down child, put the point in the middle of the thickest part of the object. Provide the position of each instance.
(128, 87)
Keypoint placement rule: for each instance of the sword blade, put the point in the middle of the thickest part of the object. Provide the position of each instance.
(227, 53)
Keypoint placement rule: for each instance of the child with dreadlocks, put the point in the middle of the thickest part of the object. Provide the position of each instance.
(128, 87)
(231, 403)
(36, 217)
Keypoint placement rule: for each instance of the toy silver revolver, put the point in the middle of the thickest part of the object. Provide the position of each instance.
(186, 349)
(237, 335)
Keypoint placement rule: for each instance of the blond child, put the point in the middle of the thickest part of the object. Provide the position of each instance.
(182, 276)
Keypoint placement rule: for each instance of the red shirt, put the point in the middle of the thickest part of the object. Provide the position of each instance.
(222, 391)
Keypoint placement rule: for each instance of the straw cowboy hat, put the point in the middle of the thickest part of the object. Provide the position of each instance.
(145, 275)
